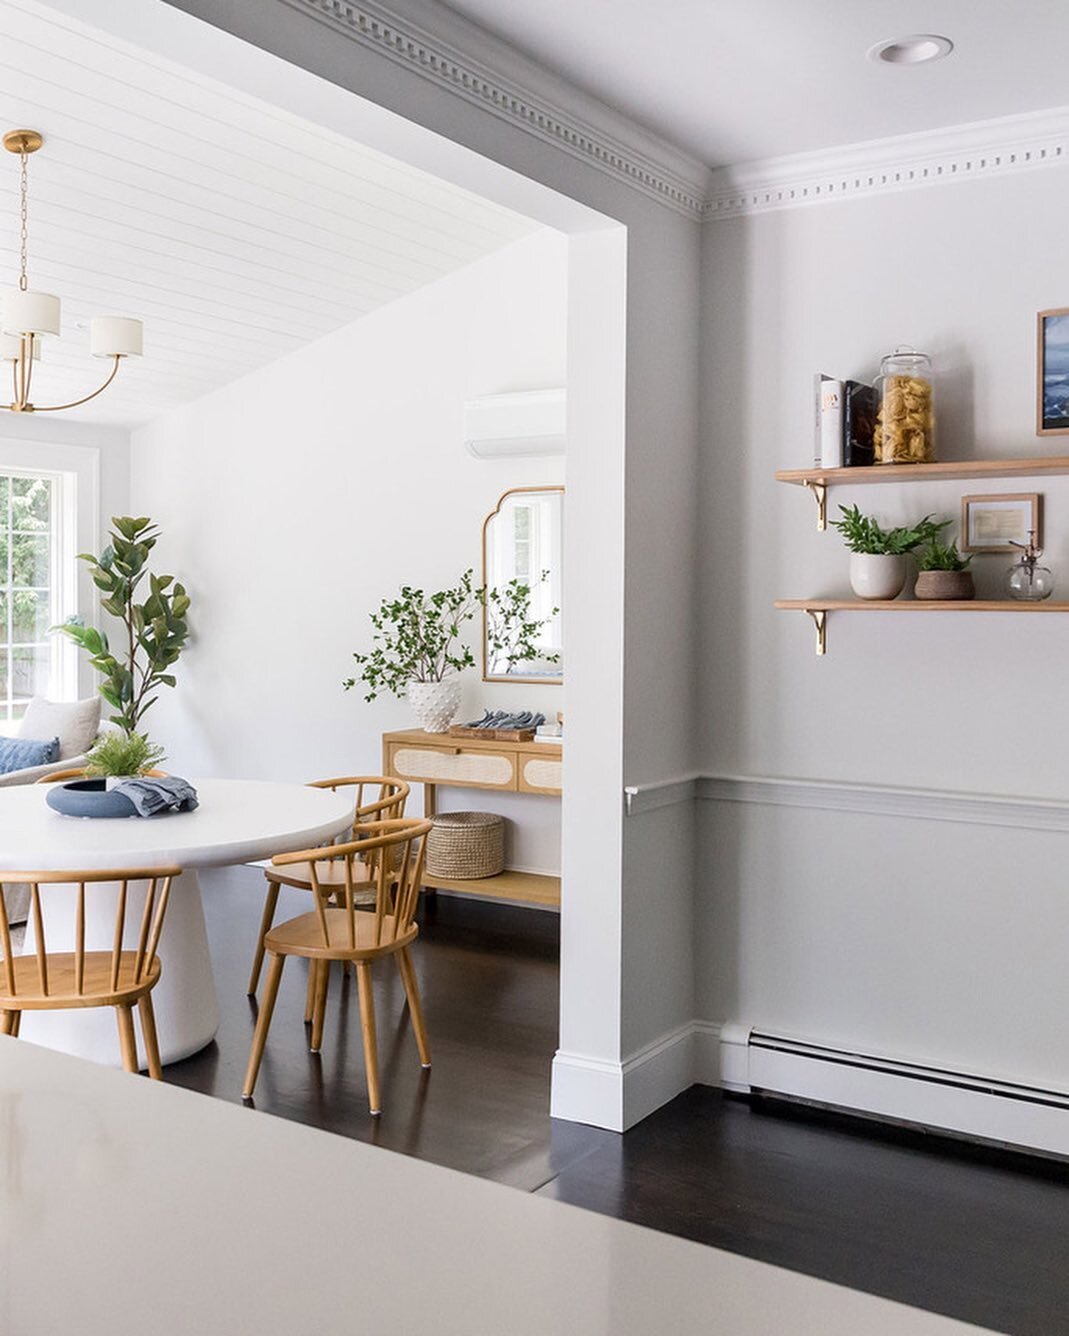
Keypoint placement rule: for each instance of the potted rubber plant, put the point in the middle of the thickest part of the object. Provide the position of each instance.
(153, 634)
(943, 573)
(878, 555)
(417, 651)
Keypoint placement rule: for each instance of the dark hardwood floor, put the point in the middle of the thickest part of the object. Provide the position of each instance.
(977, 1234)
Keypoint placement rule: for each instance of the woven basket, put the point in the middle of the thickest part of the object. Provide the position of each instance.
(465, 845)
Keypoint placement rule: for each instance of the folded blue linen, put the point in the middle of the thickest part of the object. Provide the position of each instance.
(151, 795)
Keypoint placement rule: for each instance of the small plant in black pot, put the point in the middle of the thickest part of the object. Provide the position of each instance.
(943, 574)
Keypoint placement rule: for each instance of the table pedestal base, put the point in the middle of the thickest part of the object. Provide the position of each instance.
(184, 1000)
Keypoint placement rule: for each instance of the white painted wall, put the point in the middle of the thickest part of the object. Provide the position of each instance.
(639, 574)
(296, 498)
(937, 943)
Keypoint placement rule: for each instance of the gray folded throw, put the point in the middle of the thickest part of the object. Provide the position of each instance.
(167, 794)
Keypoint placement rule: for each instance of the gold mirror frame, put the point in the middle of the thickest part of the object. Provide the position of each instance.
(505, 677)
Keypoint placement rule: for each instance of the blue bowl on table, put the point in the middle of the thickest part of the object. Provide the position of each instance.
(89, 798)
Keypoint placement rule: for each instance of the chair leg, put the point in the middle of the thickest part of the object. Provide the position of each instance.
(320, 1009)
(415, 1007)
(367, 1029)
(15, 1023)
(270, 901)
(263, 1022)
(310, 994)
(148, 1033)
(124, 1014)
(7, 1022)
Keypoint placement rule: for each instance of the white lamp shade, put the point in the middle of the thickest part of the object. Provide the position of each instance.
(30, 313)
(115, 336)
(11, 348)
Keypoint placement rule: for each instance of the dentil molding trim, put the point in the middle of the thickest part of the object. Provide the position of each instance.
(377, 27)
(904, 162)
(531, 98)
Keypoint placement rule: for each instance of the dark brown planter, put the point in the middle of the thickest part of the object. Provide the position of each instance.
(944, 586)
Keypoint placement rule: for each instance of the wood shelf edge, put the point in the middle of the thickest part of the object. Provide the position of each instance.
(915, 605)
(947, 471)
(527, 887)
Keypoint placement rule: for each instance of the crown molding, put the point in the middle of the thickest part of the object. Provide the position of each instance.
(472, 64)
(904, 162)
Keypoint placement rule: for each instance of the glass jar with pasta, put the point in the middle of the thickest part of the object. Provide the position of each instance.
(905, 421)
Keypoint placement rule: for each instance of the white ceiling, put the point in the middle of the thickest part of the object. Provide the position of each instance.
(737, 80)
(236, 231)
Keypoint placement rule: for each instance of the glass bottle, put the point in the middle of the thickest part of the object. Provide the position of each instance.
(1026, 580)
(905, 422)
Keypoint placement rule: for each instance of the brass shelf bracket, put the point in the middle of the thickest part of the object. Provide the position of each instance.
(820, 621)
(819, 492)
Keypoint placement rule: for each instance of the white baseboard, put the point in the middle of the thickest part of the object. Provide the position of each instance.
(977, 1107)
(587, 1090)
(616, 1095)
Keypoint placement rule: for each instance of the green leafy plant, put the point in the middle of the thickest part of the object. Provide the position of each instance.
(123, 754)
(155, 631)
(861, 533)
(510, 628)
(417, 638)
(936, 557)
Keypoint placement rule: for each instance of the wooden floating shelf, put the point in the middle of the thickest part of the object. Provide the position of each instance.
(818, 480)
(818, 608)
(917, 605)
(961, 468)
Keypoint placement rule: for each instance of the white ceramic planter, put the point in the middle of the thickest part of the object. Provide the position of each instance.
(877, 576)
(435, 704)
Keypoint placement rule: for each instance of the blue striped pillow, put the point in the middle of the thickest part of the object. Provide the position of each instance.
(22, 753)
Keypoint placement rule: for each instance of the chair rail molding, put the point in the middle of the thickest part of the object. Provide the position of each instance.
(489, 73)
(639, 798)
(901, 162)
(977, 809)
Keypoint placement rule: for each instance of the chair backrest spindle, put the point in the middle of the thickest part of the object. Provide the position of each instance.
(76, 975)
(397, 880)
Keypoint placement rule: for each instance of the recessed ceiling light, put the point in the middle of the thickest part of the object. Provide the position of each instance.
(912, 50)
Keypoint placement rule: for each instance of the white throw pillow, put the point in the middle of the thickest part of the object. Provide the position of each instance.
(76, 723)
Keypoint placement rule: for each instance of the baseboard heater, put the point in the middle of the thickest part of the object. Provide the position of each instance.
(981, 1108)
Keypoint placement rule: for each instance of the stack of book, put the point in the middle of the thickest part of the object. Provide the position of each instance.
(845, 422)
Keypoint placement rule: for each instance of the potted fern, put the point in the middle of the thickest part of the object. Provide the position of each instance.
(943, 574)
(878, 555)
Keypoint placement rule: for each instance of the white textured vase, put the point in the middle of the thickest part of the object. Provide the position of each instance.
(873, 576)
(435, 704)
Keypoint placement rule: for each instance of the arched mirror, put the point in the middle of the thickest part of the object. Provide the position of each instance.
(523, 548)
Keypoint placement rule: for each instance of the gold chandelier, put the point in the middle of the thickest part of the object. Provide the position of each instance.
(27, 317)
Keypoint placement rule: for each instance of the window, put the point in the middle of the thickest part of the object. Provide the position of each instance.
(37, 581)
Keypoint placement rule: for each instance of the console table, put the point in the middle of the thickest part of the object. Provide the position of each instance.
(431, 759)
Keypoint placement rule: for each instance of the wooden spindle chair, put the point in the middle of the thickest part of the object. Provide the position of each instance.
(52, 981)
(394, 852)
(378, 798)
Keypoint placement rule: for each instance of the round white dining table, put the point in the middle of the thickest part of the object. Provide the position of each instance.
(238, 821)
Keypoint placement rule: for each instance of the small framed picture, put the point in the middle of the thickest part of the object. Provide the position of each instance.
(995, 523)
(1052, 363)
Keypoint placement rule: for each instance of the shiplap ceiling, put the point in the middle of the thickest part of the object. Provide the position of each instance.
(236, 231)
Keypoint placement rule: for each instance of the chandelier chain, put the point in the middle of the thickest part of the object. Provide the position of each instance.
(24, 187)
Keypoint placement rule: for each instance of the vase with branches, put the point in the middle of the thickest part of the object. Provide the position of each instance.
(512, 630)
